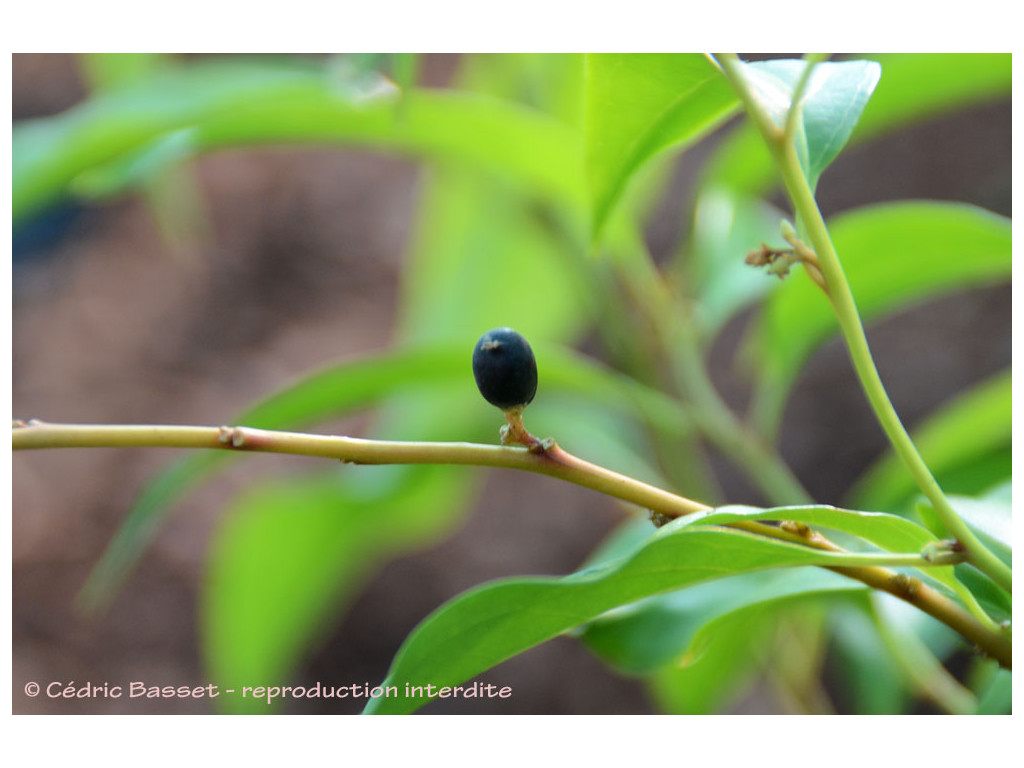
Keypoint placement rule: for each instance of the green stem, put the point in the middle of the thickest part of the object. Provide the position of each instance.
(546, 458)
(666, 319)
(717, 421)
(923, 670)
(850, 324)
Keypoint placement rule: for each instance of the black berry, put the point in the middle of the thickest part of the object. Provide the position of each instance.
(505, 369)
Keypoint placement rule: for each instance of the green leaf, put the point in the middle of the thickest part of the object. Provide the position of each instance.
(644, 636)
(915, 87)
(870, 680)
(289, 556)
(550, 82)
(725, 228)
(479, 250)
(639, 105)
(893, 254)
(833, 99)
(710, 681)
(995, 600)
(326, 394)
(259, 101)
(973, 426)
(136, 168)
(997, 699)
(897, 623)
(439, 370)
(890, 533)
(492, 623)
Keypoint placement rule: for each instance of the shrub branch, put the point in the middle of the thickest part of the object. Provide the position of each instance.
(546, 458)
(841, 297)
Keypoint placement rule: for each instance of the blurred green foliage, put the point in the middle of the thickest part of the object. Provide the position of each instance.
(543, 172)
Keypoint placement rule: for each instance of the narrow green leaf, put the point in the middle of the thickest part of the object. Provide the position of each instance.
(136, 168)
(262, 101)
(323, 395)
(290, 556)
(893, 254)
(639, 105)
(890, 533)
(915, 87)
(48, 153)
(492, 623)
(971, 427)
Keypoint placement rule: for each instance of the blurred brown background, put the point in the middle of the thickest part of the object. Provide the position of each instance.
(300, 267)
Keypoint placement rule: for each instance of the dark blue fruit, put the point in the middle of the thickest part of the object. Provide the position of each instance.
(505, 369)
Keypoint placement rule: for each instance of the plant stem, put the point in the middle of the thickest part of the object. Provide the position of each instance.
(547, 459)
(852, 328)
(717, 421)
(667, 321)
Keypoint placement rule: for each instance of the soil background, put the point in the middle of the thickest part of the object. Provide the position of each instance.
(299, 267)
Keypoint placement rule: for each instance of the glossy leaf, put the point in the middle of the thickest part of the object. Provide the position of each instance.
(888, 532)
(639, 105)
(976, 424)
(893, 254)
(679, 627)
(913, 87)
(492, 623)
(832, 102)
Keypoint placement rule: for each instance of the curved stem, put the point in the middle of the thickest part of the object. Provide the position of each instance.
(546, 458)
(841, 297)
